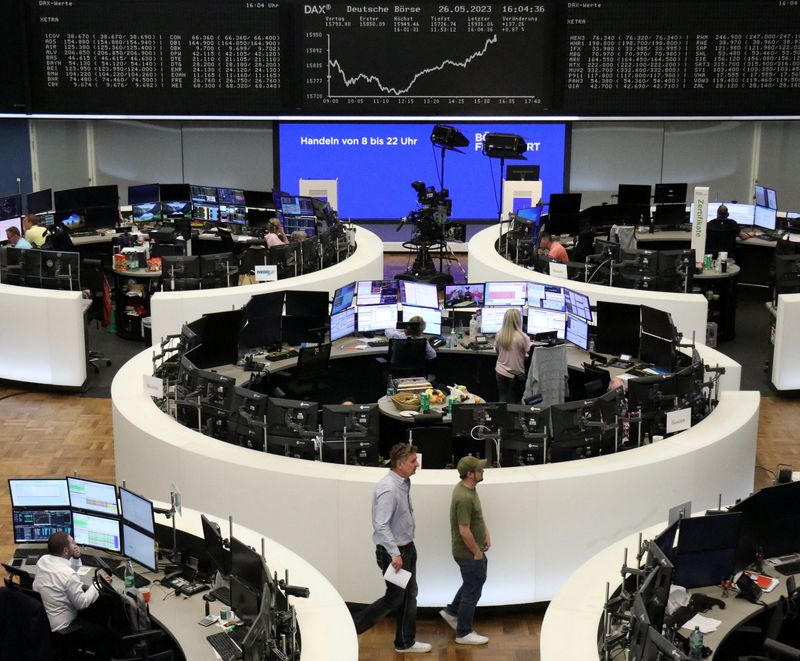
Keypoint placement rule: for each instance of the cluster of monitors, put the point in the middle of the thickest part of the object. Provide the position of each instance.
(45, 269)
(94, 513)
(190, 271)
(253, 592)
(700, 551)
(370, 306)
(230, 412)
(636, 330)
(156, 203)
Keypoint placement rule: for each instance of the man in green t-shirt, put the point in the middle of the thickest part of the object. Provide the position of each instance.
(471, 540)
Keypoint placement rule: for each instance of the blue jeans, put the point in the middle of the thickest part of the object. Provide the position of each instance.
(396, 600)
(473, 576)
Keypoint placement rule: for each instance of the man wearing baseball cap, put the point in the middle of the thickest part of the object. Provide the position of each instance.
(471, 540)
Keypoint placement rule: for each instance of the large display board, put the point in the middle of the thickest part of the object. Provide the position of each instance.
(155, 57)
(374, 164)
(393, 58)
(354, 59)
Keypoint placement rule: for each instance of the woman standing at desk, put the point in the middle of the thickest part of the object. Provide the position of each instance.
(512, 348)
(276, 235)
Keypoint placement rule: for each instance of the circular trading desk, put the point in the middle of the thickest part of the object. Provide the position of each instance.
(170, 310)
(689, 311)
(326, 628)
(545, 520)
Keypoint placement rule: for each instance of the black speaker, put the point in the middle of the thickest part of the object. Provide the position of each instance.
(448, 136)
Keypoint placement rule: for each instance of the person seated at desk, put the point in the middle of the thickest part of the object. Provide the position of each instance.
(34, 232)
(722, 232)
(416, 327)
(15, 239)
(275, 234)
(298, 236)
(553, 249)
(64, 598)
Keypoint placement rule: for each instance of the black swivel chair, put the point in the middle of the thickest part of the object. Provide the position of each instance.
(595, 375)
(24, 628)
(407, 357)
(309, 253)
(285, 257)
(93, 280)
(309, 377)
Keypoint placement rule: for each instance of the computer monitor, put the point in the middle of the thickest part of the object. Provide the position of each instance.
(546, 321)
(343, 324)
(549, 297)
(136, 510)
(665, 540)
(39, 492)
(432, 318)
(143, 193)
(92, 496)
(376, 292)
(486, 418)
(102, 196)
(760, 195)
(139, 547)
(176, 210)
(772, 198)
(658, 648)
(219, 342)
(492, 318)
(40, 201)
(657, 322)
(618, 326)
(175, 192)
(360, 424)
(244, 601)
(248, 566)
(372, 318)
(707, 547)
(772, 517)
(633, 194)
(96, 531)
(214, 546)
(669, 215)
(10, 207)
(216, 389)
(291, 418)
(572, 435)
(343, 298)
(419, 294)
(34, 526)
(765, 218)
(639, 631)
(146, 212)
(102, 217)
(670, 194)
(578, 304)
(261, 321)
(655, 587)
(523, 443)
(73, 221)
(204, 195)
(787, 274)
(205, 213)
(463, 296)
(180, 266)
(564, 203)
(232, 215)
(741, 213)
(507, 294)
(233, 196)
(658, 352)
(577, 332)
(309, 304)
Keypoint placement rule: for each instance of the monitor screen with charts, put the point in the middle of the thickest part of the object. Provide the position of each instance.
(376, 292)
(578, 304)
(546, 321)
(492, 318)
(34, 526)
(376, 317)
(136, 510)
(343, 324)
(577, 332)
(741, 213)
(343, 298)
(421, 294)
(139, 547)
(92, 496)
(96, 531)
(509, 294)
(39, 493)
(765, 218)
(433, 318)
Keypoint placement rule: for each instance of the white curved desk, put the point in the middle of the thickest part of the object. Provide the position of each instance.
(689, 311)
(48, 329)
(545, 520)
(326, 628)
(170, 310)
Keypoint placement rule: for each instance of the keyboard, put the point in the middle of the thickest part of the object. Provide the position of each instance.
(31, 559)
(378, 343)
(282, 355)
(224, 646)
(222, 594)
(96, 561)
(789, 568)
(27, 553)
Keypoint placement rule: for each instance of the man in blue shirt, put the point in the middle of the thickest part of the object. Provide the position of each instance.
(393, 535)
(15, 239)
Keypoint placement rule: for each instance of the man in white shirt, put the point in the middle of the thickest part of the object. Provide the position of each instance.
(64, 596)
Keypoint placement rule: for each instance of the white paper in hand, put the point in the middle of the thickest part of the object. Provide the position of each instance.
(399, 577)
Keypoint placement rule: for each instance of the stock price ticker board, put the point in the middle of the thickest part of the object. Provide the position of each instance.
(427, 58)
(194, 57)
(681, 57)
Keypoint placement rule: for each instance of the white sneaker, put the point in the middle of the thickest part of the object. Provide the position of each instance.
(472, 638)
(416, 648)
(452, 620)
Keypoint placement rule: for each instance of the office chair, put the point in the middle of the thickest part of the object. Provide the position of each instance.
(309, 377)
(18, 576)
(285, 258)
(131, 643)
(594, 373)
(94, 281)
(249, 259)
(24, 627)
(226, 237)
(407, 357)
(435, 444)
(309, 253)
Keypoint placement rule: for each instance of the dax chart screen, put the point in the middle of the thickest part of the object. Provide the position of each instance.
(426, 58)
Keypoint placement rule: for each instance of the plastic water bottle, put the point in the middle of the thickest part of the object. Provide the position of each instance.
(452, 340)
(129, 576)
(390, 387)
(474, 327)
(696, 645)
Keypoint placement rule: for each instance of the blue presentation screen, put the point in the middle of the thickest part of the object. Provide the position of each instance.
(376, 163)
